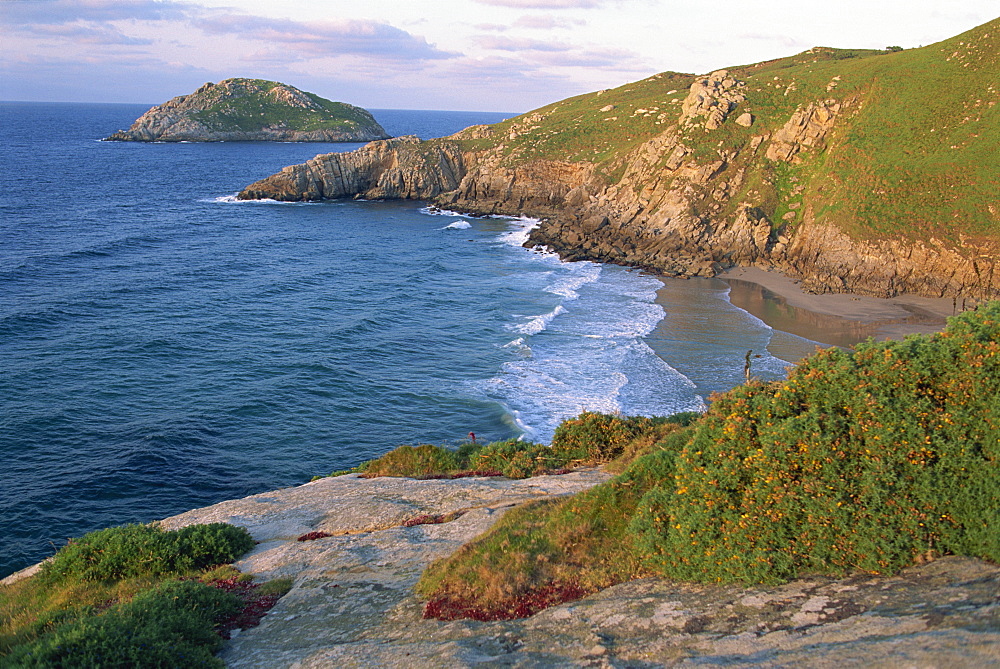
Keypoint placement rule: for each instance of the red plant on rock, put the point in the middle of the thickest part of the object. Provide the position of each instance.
(527, 604)
(254, 604)
(312, 536)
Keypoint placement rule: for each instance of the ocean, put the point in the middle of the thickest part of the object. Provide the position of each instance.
(164, 346)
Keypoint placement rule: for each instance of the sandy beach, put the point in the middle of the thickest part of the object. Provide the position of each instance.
(834, 319)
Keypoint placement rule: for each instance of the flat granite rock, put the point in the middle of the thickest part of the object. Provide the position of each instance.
(352, 602)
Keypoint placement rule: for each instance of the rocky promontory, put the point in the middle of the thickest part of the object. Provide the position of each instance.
(865, 172)
(252, 110)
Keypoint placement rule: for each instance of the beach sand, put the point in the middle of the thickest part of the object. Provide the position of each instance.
(833, 319)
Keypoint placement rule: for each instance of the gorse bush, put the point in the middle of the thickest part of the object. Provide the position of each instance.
(868, 462)
(597, 437)
(856, 462)
(133, 551)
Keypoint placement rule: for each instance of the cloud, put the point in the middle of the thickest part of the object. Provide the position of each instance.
(557, 54)
(612, 59)
(48, 12)
(324, 39)
(544, 4)
(773, 38)
(547, 22)
(89, 33)
(519, 44)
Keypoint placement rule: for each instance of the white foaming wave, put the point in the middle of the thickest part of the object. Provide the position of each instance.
(434, 211)
(461, 224)
(655, 388)
(538, 323)
(567, 287)
(543, 393)
(521, 228)
(233, 199)
(562, 383)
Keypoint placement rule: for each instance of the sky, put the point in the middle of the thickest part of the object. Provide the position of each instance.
(476, 55)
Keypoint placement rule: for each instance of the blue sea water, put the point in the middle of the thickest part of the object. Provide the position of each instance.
(163, 346)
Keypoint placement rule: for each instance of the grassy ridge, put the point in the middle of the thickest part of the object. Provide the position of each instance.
(588, 440)
(867, 461)
(912, 155)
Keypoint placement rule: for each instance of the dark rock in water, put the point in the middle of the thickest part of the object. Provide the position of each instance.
(252, 110)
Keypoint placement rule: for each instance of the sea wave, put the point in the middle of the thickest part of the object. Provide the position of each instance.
(234, 199)
(538, 323)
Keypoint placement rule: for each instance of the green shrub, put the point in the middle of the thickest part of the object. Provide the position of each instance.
(413, 461)
(167, 626)
(514, 459)
(857, 462)
(135, 551)
(595, 438)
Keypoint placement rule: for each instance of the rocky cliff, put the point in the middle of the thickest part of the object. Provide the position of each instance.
(240, 110)
(855, 171)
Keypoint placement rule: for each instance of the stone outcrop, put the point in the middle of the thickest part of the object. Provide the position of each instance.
(712, 97)
(352, 601)
(400, 168)
(807, 128)
(241, 110)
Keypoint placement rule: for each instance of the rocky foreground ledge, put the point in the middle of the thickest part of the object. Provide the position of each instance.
(352, 603)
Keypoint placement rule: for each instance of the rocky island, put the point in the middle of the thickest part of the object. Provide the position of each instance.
(861, 171)
(252, 110)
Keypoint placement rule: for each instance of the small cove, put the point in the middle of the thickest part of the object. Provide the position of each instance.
(165, 348)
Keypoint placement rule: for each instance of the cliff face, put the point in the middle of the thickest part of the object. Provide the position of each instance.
(252, 110)
(833, 167)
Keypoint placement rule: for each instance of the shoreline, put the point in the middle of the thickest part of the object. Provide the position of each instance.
(835, 319)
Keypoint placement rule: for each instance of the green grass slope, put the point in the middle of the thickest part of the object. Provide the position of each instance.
(912, 155)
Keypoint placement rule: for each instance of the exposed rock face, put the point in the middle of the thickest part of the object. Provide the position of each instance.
(252, 110)
(807, 128)
(676, 205)
(352, 602)
(400, 168)
(712, 97)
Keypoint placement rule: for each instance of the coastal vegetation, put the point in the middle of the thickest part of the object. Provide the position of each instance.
(861, 462)
(134, 596)
(588, 440)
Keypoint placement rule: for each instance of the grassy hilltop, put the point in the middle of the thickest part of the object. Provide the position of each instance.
(872, 172)
(913, 156)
